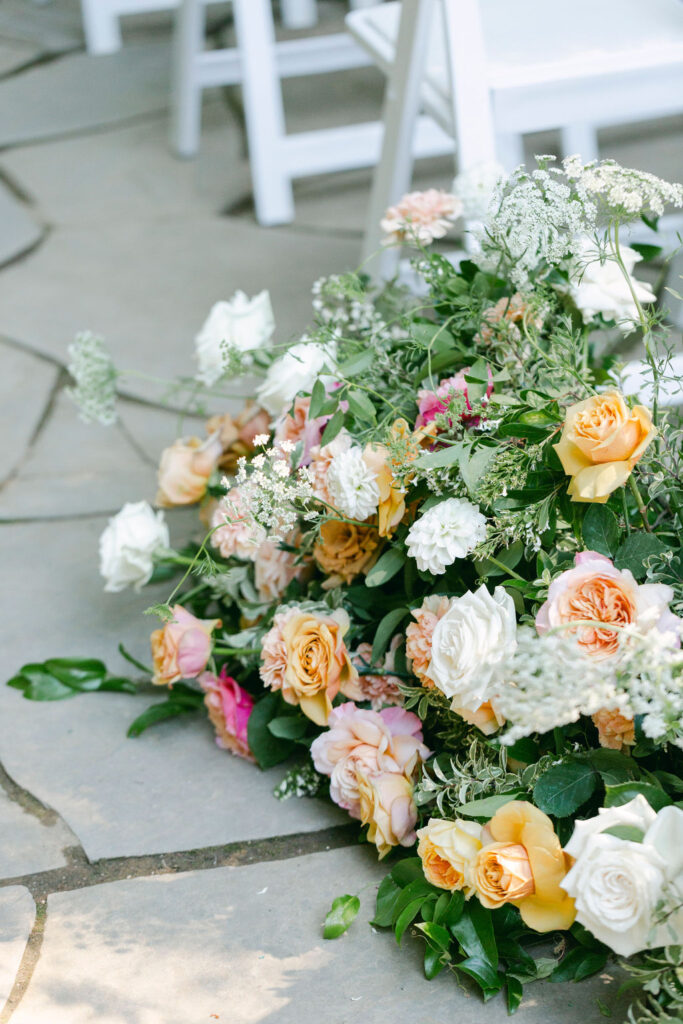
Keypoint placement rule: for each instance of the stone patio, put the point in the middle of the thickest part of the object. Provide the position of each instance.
(156, 880)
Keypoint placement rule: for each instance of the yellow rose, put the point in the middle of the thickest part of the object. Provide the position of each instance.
(344, 550)
(524, 865)
(485, 718)
(448, 850)
(602, 439)
(318, 664)
(388, 809)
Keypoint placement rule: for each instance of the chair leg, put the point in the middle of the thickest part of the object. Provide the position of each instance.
(581, 139)
(186, 90)
(471, 97)
(264, 112)
(298, 13)
(401, 109)
(101, 27)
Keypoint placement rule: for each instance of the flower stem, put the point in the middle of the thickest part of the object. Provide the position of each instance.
(640, 503)
(505, 568)
(236, 650)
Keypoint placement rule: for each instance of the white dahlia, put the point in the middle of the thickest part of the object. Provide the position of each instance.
(449, 530)
(353, 485)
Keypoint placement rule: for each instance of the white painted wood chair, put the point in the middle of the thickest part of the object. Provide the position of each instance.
(637, 379)
(101, 18)
(489, 71)
(258, 63)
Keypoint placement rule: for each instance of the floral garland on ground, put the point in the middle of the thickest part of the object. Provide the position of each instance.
(443, 573)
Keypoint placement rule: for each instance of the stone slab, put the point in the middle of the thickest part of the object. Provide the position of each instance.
(244, 946)
(76, 468)
(84, 92)
(17, 914)
(52, 28)
(16, 54)
(25, 386)
(20, 228)
(172, 788)
(26, 844)
(153, 429)
(148, 286)
(129, 172)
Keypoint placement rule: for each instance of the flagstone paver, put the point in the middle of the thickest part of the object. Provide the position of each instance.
(28, 845)
(20, 228)
(51, 27)
(244, 946)
(15, 54)
(17, 914)
(25, 386)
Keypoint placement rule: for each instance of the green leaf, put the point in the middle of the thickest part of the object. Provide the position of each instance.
(407, 916)
(333, 427)
(418, 889)
(39, 684)
(475, 467)
(356, 364)
(436, 935)
(434, 962)
(615, 796)
(635, 551)
(613, 766)
(385, 568)
(361, 406)
(318, 399)
(580, 963)
(474, 932)
(631, 833)
(648, 252)
(488, 806)
(157, 713)
(514, 990)
(77, 673)
(600, 530)
(528, 431)
(564, 788)
(288, 727)
(385, 631)
(483, 973)
(118, 684)
(441, 458)
(268, 749)
(452, 913)
(342, 912)
(407, 871)
(387, 895)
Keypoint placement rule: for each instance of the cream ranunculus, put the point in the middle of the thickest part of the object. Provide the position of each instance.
(448, 850)
(602, 440)
(469, 644)
(128, 545)
(618, 883)
(601, 288)
(295, 371)
(242, 323)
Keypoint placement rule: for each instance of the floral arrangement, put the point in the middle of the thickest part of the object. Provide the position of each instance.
(441, 577)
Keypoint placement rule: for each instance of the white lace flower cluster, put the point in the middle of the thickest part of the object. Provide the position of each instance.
(94, 374)
(272, 495)
(650, 674)
(548, 682)
(353, 485)
(449, 530)
(474, 188)
(624, 191)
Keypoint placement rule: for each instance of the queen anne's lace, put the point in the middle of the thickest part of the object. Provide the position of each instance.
(93, 371)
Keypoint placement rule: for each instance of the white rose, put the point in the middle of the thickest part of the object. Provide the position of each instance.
(597, 287)
(449, 530)
(295, 371)
(352, 484)
(636, 812)
(242, 323)
(470, 643)
(128, 545)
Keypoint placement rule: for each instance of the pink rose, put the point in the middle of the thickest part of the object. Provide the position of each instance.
(432, 403)
(229, 708)
(369, 742)
(596, 590)
(181, 649)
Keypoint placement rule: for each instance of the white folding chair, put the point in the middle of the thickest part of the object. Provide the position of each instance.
(258, 63)
(490, 71)
(103, 31)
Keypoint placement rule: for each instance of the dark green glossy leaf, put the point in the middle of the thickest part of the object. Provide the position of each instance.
(474, 932)
(385, 568)
(564, 788)
(436, 935)
(406, 917)
(157, 713)
(288, 727)
(407, 871)
(387, 896)
(483, 973)
(268, 749)
(615, 796)
(385, 632)
(579, 963)
(434, 962)
(635, 551)
(600, 530)
(514, 990)
(333, 427)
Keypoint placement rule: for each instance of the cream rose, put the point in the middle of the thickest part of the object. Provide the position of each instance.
(388, 809)
(602, 440)
(448, 850)
(470, 643)
(242, 323)
(617, 883)
(128, 545)
(599, 286)
(295, 371)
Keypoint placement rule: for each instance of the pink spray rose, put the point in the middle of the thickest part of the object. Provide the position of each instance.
(596, 590)
(432, 403)
(366, 742)
(181, 649)
(229, 708)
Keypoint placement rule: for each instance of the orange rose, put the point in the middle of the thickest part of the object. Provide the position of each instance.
(524, 865)
(602, 440)
(185, 469)
(614, 729)
(344, 550)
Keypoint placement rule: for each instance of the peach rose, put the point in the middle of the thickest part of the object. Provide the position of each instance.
(229, 708)
(420, 217)
(305, 657)
(525, 866)
(237, 433)
(298, 428)
(369, 742)
(486, 718)
(184, 470)
(274, 569)
(419, 635)
(235, 534)
(344, 550)
(615, 730)
(602, 440)
(597, 591)
(378, 689)
(448, 850)
(388, 809)
(181, 649)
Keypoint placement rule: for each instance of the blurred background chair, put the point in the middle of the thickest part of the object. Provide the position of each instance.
(490, 71)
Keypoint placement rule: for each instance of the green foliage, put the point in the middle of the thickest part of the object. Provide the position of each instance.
(181, 700)
(342, 913)
(60, 678)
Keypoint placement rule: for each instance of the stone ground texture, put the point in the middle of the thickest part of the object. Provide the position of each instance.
(157, 881)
